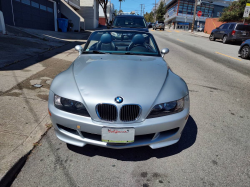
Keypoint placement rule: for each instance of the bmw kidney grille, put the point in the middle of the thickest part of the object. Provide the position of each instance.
(108, 112)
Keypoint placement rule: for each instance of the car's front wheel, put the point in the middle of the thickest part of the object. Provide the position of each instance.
(211, 37)
(244, 53)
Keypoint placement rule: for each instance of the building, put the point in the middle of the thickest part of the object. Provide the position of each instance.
(41, 14)
(90, 12)
(179, 13)
(69, 10)
(110, 13)
(35, 14)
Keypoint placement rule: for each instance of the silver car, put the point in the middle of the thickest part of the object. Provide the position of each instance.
(119, 93)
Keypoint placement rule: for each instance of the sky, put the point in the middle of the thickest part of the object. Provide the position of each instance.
(134, 5)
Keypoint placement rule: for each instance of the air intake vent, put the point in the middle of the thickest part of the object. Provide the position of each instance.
(106, 112)
(130, 113)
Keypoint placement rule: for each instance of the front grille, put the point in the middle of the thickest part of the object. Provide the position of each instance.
(129, 112)
(106, 112)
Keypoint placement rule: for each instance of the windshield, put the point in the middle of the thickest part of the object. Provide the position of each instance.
(129, 22)
(122, 42)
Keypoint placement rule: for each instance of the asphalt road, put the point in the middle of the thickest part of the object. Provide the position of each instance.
(213, 151)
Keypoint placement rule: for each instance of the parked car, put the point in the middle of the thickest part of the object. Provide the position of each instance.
(200, 29)
(119, 93)
(159, 25)
(244, 50)
(130, 22)
(231, 32)
(149, 25)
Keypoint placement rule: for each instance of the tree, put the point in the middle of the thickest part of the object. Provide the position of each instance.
(234, 12)
(115, 12)
(103, 4)
(149, 17)
(120, 12)
(120, 4)
(132, 12)
(160, 12)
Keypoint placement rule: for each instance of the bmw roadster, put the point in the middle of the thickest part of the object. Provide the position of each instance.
(119, 93)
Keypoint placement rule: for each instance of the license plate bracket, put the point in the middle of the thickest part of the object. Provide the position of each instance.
(118, 135)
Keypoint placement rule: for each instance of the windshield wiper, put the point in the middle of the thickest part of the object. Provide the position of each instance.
(116, 27)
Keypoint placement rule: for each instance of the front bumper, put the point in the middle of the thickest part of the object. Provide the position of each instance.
(156, 132)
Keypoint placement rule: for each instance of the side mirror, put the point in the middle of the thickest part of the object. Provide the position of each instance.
(79, 49)
(217, 28)
(164, 51)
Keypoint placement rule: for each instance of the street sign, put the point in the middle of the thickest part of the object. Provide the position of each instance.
(199, 13)
(246, 12)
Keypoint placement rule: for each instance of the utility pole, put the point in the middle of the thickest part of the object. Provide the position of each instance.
(141, 9)
(195, 6)
(155, 10)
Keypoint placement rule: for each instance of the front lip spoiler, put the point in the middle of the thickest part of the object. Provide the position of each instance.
(158, 142)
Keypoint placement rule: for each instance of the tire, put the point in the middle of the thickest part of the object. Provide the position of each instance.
(244, 52)
(225, 40)
(211, 37)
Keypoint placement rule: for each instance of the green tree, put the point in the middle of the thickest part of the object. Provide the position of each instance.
(160, 12)
(234, 12)
(149, 17)
(115, 12)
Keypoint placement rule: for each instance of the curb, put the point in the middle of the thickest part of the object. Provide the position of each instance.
(200, 35)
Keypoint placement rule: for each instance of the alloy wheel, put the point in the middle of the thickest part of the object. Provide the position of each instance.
(245, 52)
(211, 37)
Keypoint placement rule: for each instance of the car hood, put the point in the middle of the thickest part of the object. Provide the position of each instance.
(101, 78)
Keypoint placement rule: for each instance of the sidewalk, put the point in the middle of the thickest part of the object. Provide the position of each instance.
(23, 107)
(202, 34)
(21, 43)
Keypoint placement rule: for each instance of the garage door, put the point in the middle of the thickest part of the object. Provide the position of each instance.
(35, 14)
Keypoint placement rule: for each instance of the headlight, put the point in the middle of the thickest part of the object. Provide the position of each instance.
(168, 108)
(70, 106)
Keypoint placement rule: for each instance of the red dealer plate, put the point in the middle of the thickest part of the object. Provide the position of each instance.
(118, 135)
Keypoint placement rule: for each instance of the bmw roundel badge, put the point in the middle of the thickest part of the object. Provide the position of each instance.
(119, 99)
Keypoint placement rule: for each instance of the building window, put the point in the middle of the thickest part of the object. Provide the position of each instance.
(42, 7)
(34, 4)
(49, 9)
(27, 2)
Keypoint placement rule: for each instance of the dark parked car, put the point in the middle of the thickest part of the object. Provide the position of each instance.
(245, 49)
(159, 25)
(130, 22)
(231, 32)
(149, 25)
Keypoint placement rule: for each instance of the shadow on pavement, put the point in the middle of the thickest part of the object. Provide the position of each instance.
(230, 43)
(40, 57)
(188, 138)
